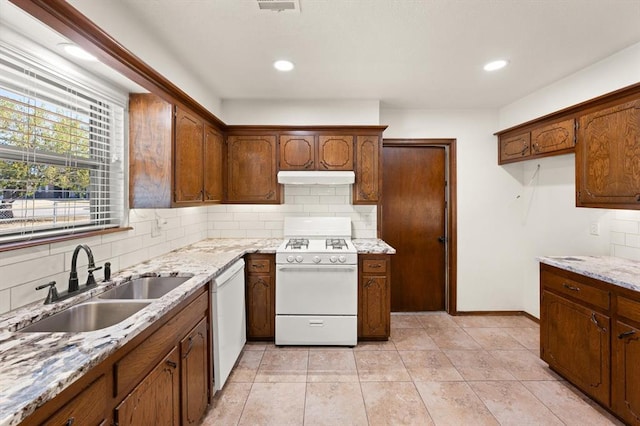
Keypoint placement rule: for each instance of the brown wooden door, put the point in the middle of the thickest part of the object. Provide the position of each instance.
(252, 171)
(194, 365)
(607, 157)
(575, 341)
(213, 165)
(297, 152)
(188, 157)
(155, 401)
(626, 373)
(335, 153)
(413, 222)
(367, 186)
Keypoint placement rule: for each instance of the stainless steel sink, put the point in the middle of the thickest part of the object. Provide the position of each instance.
(89, 316)
(144, 288)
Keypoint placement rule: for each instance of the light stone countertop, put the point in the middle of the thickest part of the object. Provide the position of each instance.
(614, 270)
(38, 366)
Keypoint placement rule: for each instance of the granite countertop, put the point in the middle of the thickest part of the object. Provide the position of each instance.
(614, 270)
(38, 366)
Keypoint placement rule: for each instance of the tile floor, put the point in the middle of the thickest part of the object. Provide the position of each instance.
(435, 369)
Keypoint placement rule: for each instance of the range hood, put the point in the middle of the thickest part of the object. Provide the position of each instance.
(316, 178)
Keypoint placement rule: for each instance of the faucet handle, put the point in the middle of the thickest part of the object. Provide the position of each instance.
(92, 270)
(52, 295)
(91, 281)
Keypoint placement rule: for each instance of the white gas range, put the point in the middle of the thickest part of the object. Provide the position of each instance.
(317, 283)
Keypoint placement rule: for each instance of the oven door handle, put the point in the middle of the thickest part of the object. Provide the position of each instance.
(327, 268)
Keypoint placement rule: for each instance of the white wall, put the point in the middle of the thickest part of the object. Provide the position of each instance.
(489, 227)
(155, 232)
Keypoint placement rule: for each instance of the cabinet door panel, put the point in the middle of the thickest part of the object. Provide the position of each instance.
(297, 152)
(260, 306)
(626, 373)
(514, 148)
(87, 408)
(335, 153)
(188, 157)
(252, 172)
(213, 165)
(608, 157)
(155, 401)
(576, 342)
(367, 186)
(554, 137)
(194, 368)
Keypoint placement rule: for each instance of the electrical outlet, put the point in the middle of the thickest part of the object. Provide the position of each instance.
(594, 228)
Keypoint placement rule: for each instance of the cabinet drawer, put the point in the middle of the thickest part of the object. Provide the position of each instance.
(87, 408)
(258, 265)
(575, 289)
(374, 266)
(136, 364)
(629, 309)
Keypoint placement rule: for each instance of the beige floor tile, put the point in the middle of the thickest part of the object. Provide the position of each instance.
(332, 366)
(247, 367)
(436, 320)
(386, 345)
(395, 403)
(512, 404)
(256, 346)
(424, 366)
(412, 339)
(283, 366)
(274, 404)
(380, 366)
(524, 365)
(227, 405)
(528, 337)
(493, 338)
(569, 404)
(454, 403)
(477, 365)
(334, 404)
(452, 338)
(405, 321)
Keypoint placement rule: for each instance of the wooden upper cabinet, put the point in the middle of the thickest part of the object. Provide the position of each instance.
(514, 148)
(335, 153)
(367, 186)
(213, 165)
(297, 152)
(252, 170)
(608, 157)
(188, 157)
(553, 137)
(150, 160)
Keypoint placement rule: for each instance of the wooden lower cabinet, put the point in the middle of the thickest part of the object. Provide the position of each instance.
(86, 408)
(155, 401)
(260, 296)
(374, 297)
(194, 361)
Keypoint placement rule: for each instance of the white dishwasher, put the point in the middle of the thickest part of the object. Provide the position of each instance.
(228, 321)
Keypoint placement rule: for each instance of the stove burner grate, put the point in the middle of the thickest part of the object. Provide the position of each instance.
(297, 243)
(336, 243)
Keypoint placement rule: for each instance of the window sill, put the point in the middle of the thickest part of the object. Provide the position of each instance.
(56, 239)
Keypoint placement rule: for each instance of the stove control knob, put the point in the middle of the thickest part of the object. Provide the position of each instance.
(316, 259)
(299, 259)
(342, 259)
(333, 259)
(290, 259)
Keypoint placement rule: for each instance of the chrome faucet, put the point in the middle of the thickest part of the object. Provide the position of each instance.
(73, 276)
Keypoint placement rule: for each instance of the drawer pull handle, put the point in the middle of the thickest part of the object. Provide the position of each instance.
(626, 334)
(257, 265)
(316, 323)
(172, 364)
(375, 265)
(570, 287)
(595, 321)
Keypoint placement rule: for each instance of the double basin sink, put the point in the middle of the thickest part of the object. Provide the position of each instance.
(108, 308)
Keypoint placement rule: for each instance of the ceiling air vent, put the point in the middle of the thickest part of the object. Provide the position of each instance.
(280, 5)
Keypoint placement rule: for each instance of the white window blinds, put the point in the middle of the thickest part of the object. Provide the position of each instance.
(61, 152)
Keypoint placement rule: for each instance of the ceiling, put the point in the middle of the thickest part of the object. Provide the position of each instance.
(405, 53)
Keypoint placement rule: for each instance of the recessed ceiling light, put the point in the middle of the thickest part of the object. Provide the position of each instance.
(77, 52)
(496, 65)
(283, 65)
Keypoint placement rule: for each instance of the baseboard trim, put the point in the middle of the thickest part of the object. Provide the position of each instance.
(497, 313)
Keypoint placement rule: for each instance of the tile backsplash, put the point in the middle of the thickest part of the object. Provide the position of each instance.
(159, 231)
(625, 234)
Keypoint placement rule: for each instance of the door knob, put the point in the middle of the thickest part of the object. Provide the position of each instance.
(442, 239)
